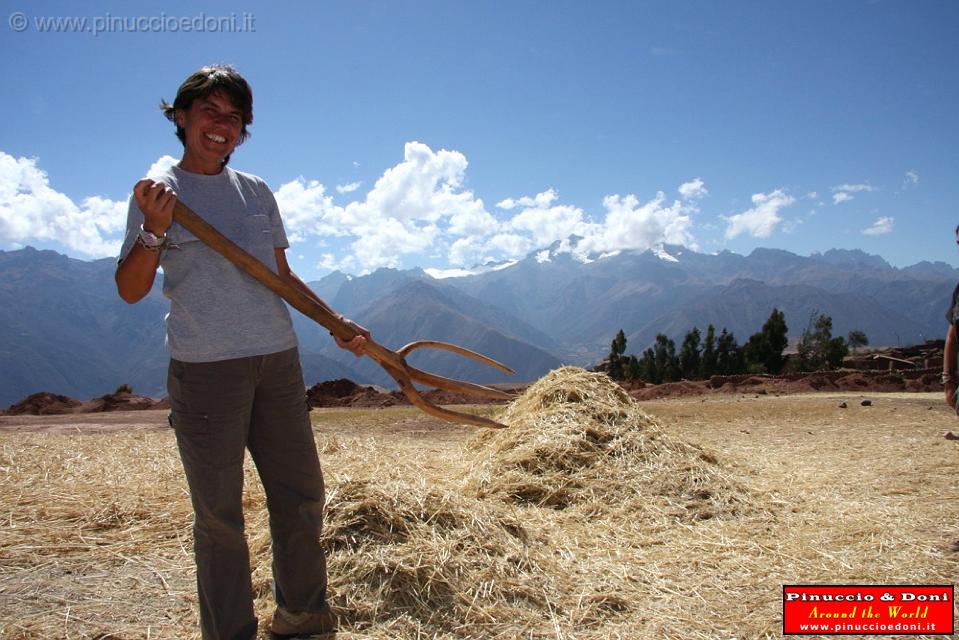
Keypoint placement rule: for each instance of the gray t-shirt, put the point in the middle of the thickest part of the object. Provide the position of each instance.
(218, 312)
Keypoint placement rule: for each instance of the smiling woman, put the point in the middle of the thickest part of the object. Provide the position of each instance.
(214, 127)
(213, 107)
(234, 379)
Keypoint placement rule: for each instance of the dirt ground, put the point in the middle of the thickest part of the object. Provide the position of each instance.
(856, 495)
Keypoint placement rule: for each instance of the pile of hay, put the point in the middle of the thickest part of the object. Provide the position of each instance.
(407, 555)
(575, 438)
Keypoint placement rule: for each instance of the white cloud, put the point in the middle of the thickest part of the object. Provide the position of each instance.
(416, 206)
(390, 241)
(31, 210)
(854, 188)
(546, 224)
(161, 166)
(763, 218)
(630, 224)
(843, 192)
(109, 216)
(419, 206)
(401, 215)
(842, 196)
(538, 223)
(541, 201)
(472, 220)
(425, 186)
(911, 179)
(307, 210)
(466, 251)
(330, 262)
(880, 227)
(510, 244)
(693, 190)
(348, 188)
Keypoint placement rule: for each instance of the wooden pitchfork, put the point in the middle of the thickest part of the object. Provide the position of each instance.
(394, 362)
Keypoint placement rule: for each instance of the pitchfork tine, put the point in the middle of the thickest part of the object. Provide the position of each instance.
(459, 386)
(455, 348)
(393, 362)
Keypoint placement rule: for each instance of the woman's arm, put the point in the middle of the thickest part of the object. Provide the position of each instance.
(136, 273)
(355, 346)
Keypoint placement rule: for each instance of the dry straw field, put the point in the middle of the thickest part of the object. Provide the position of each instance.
(590, 517)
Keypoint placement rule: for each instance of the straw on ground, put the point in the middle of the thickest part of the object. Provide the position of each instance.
(588, 518)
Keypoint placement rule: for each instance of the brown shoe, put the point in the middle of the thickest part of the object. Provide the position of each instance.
(311, 624)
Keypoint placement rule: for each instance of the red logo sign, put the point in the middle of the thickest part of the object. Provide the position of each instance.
(868, 609)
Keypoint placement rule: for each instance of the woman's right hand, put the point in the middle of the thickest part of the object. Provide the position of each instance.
(156, 201)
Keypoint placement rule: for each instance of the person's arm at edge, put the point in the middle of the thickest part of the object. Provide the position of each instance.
(137, 271)
(135, 275)
(356, 345)
(949, 365)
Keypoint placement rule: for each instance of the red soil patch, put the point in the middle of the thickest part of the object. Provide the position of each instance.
(346, 393)
(42, 404)
(922, 380)
(45, 403)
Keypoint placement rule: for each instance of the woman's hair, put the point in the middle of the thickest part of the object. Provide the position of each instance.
(217, 78)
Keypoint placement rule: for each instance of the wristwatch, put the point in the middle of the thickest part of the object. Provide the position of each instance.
(150, 240)
(946, 378)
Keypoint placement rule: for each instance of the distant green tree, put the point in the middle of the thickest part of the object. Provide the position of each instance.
(856, 339)
(709, 352)
(806, 353)
(729, 357)
(811, 350)
(647, 367)
(777, 333)
(764, 350)
(631, 368)
(616, 351)
(818, 350)
(756, 352)
(837, 351)
(689, 355)
(123, 388)
(667, 364)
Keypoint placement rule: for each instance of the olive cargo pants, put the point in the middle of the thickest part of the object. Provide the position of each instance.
(218, 410)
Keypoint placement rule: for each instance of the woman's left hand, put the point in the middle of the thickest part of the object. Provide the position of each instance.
(357, 345)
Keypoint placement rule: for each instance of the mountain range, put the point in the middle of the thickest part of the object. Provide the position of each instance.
(66, 331)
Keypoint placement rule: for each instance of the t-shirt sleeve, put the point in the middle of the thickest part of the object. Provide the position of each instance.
(280, 240)
(134, 222)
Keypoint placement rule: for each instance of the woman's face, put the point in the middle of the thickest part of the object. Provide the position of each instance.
(212, 127)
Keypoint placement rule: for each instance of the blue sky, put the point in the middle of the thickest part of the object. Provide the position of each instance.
(443, 134)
